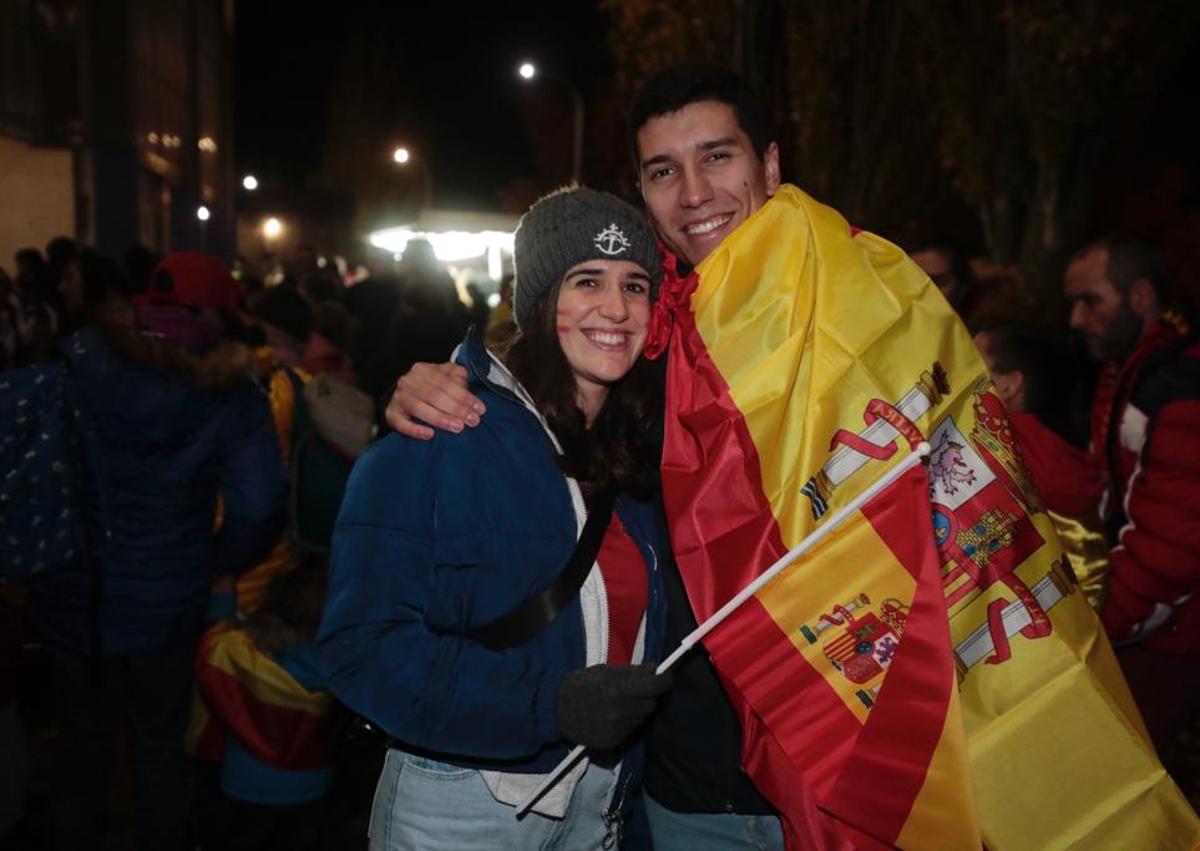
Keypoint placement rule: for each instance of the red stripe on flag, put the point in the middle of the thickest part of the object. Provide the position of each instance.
(884, 775)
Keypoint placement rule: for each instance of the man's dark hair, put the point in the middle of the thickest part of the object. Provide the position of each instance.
(60, 251)
(960, 267)
(1129, 260)
(102, 278)
(287, 310)
(1053, 374)
(31, 258)
(673, 89)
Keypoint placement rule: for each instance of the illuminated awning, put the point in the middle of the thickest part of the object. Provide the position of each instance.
(456, 237)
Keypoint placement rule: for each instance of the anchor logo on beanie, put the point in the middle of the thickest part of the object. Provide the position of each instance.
(612, 241)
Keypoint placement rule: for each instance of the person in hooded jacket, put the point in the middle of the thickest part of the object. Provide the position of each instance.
(168, 422)
(439, 543)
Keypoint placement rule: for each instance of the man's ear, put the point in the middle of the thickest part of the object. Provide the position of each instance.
(1143, 300)
(1010, 387)
(771, 168)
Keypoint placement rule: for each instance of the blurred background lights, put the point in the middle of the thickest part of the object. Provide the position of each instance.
(272, 228)
(249, 183)
(448, 246)
(203, 213)
(527, 70)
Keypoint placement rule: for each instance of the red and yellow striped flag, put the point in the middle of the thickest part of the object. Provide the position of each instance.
(805, 360)
(245, 692)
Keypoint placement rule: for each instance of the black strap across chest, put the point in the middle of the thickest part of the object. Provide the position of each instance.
(531, 617)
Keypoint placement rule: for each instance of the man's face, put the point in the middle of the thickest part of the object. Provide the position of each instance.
(701, 177)
(1010, 386)
(1099, 311)
(936, 264)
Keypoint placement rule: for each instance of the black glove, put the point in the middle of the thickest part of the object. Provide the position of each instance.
(600, 706)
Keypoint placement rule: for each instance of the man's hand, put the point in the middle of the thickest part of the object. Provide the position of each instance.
(434, 393)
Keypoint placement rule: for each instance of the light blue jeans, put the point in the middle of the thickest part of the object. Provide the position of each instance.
(674, 831)
(435, 806)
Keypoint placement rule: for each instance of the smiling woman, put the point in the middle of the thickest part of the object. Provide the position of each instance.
(469, 616)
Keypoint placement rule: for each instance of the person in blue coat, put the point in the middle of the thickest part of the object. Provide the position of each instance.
(438, 542)
(169, 423)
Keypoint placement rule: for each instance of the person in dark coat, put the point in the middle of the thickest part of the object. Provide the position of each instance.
(168, 433)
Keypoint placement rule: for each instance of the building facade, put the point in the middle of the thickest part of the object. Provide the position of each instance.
(116, 124)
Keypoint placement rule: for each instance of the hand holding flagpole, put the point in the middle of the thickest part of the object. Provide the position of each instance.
(718, 617)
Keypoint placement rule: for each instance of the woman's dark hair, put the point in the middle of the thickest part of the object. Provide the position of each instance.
(618, 448)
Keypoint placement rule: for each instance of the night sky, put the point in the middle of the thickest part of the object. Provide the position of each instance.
(454, 82)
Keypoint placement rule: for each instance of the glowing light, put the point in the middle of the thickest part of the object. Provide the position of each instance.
(448, 246)
(272, 228)
(152, 138)
(203, 213)
(493, 300)
(527, 70)
(401, 155)
(249, 183)
(207, 144)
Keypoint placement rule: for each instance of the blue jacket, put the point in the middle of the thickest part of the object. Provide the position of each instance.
(437, 538)
(157, 452)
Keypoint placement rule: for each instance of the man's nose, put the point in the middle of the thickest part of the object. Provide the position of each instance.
(1077, 315)
(696, 188)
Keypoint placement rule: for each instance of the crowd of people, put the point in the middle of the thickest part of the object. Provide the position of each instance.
(201, 429)
(224, 545)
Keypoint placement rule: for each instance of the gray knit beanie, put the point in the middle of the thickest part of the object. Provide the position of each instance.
(569, 226)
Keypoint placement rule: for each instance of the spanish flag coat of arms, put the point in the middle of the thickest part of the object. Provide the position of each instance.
(930, 676)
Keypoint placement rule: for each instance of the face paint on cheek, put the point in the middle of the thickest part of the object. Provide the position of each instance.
(561, 325)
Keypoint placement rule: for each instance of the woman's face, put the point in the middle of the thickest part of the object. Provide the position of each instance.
(601, 317)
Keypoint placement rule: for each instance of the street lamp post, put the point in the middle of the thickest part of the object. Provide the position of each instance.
(527, 71)
(403, 157)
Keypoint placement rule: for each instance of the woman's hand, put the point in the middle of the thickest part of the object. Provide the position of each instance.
(600, 706)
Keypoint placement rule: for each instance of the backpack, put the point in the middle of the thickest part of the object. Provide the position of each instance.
(334, 424)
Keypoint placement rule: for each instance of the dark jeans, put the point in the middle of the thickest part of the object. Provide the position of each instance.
(152, 690)
(242, 826)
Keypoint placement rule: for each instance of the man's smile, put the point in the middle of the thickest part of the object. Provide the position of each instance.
(707, 225)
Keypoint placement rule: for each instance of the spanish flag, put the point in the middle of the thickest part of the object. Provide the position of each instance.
(244, 692)
(929, 676)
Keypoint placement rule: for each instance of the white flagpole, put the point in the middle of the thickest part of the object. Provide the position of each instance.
(719, 616)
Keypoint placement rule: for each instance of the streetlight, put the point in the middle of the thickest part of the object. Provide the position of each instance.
(249, 183)
(403, 156)
(527, 71)
(203, 214)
